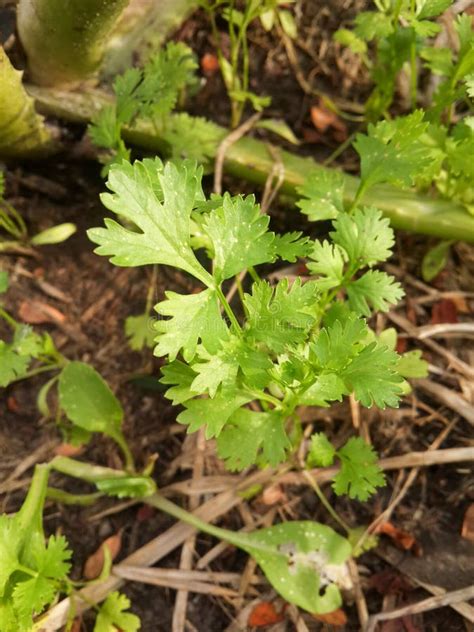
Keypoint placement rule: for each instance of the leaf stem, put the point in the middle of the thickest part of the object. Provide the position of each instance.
(319, 493)
(228, 310)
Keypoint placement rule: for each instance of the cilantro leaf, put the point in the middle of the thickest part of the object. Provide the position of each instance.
(192, 137)
(360, 474)
(323, 194)
(30, 597)
(113, 617)
(366, 236)
(431, 8)
(374, 290)
(212, 413)
(393, 152)
(280, 316)
(338, 343)
(411, 364)
(328, 387)
(181, 376)
(139, 332)
(239, 235)
(194, 317)
(321, 452)
(159, 201)
(249, 436)
(373, 377)
(214, 370)
(10, 542)
(328, 264)
(291, 246)
(12, 365)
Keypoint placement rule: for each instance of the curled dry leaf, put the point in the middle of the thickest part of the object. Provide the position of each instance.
(325, 119)
(337, 618)
(273, 494)
(38, 313)
(402, 539)
(264, 614)
(95, 562)
(67, 449)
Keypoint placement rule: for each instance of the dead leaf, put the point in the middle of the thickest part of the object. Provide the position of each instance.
(38, 313)
(325, 119)
(264, 614)
(402, 539)
(444, 311)
(389, 582)
(13, 405)
(273, 494)
(145, 512)
(337, 618)
(467, 531)
(401, 345)
(67, 449)
(461, 303)
(76, 625)
(209, 64)
(95, 562)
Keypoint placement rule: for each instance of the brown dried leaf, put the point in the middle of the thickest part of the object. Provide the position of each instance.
(264, 614)
(467, 530)
(38, 313)
(337, 618)
(402, 539)
(95, 562)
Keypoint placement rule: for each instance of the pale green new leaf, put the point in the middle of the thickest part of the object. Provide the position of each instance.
(212, 413)
(365, 235)
(328, 264)
(375, 290)
(373, 377)
(239, 235)
(323, 195)
(321, 451)
(159, 201)
(193, 318)
(411, 365)
(250, 437)
(113, 617)
(360, 474)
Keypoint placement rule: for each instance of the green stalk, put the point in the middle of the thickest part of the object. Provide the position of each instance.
(30, 516)
(250, 159)
(65, 41)
(22, 131)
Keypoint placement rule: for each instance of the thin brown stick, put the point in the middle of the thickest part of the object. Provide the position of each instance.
(361, 604)
(422, 606)
(228, 141)
(449, 398)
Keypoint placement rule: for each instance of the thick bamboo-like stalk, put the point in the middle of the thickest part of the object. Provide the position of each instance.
(22, 131)
(65, 41)
(251, 159)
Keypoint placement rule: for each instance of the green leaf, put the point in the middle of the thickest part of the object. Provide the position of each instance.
(338, 343)
(127, 486)
(291, 246)
(365, 235)
(321, 452)
(181, 376)
(239, 235)
(438, 60)
(360, 474)
(192, 137)
(250, 437)
(30, 597)
(53, 560)
(280, 316)
(431, 8)
(304, 562)
(212, 413)
(288, 23)
(214, 370)
(279, 127)
(10, 542)
(393, 152)
(3, 281)
(470, 85)
(140, 332)
(112, 616)
(159, 201)
(328, 264)
(411, 365)
(351, 40)
(88, 401)
(324, 191)
(372, 24)
(374, 290)
(12, 365)
(373, 377)
(327, 388)
(194, 317)
(54, 235)
(435, 260)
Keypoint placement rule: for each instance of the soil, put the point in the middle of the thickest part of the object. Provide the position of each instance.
(93, 299)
